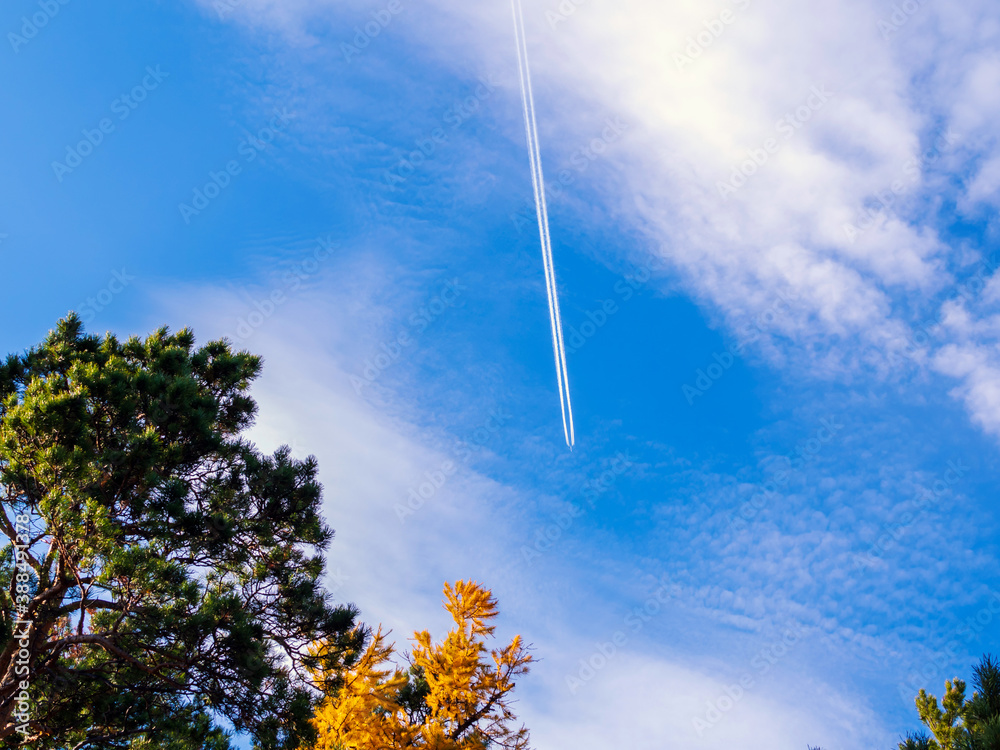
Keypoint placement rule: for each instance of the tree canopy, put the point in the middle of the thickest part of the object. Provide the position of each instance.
(162, 577)
(958, 723)
(455, 695)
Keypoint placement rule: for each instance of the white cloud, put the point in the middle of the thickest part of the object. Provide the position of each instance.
(371, 456)
(643, 702)
(780, 232)
(978, 369)
(473, 526)
(842, 90)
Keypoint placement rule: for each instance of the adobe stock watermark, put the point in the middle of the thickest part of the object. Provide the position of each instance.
(336, 582)
(714, 28)
(425, 490)
(432, 481)
(460, 112)
(577, 336)
(123, 106)
(977, 281)
(722, 362)
(919, 678)
(920, 337)
(563, 12)
(882, 203)
(579, 161)
(484, 434)
(606, 651)
(891, 533)
(900, 16)
(117, 284)
(547, 536)
(365, 34)
(249, 148)
(786, 127)
(974, 625)
(969, 631)
(805, 452)
(463, 110)
(22, 626)
(390, 351)
(30, 26)
(291, 282)
(762, 663)
(225, 7)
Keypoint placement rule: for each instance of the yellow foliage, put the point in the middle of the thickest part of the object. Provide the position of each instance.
(462, 688)
(363, 716)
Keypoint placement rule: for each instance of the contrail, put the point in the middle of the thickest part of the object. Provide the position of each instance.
(538, 182)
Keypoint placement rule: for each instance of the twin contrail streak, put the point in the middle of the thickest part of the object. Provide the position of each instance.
(538, 182)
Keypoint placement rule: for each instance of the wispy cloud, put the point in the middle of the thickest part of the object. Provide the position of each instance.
(814, 119)
(747, 103)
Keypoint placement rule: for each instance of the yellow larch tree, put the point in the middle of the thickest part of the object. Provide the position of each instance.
(455, 695)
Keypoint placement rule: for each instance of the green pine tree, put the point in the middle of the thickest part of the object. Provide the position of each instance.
(170, 585)
(959, 723)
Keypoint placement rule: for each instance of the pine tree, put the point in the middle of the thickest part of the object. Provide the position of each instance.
(456, 695)
(957, 723)
(982, 712)
(169, 578)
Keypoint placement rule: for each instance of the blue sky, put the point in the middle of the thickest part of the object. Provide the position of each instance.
(805, 540)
